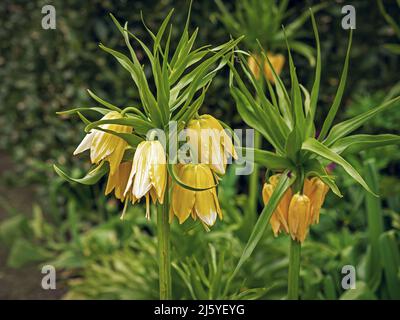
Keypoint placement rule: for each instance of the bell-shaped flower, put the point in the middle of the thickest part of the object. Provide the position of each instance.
(279, 218)
(119, 180)
(104, 145)
(211, 143)
(148, 176)
(299, 217)
(316, 190)
(202, 204)
(277, 61)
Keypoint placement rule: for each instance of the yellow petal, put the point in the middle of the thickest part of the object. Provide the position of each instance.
(277, 62)
(299, 216)
(158, 170)
(253, 62)
(183, 199)
(86, 143)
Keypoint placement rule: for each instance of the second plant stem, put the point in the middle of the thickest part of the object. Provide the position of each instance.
(295, 252)
(294, 269)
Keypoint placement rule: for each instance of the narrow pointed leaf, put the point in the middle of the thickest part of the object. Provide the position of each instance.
(344, 128)
(323, 151)
(284, 183)
(339, 94)
(90, 178)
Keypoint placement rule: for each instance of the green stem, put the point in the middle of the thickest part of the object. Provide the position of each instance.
(164, 260)
(253, 186)
(295, 249)
(294, 269)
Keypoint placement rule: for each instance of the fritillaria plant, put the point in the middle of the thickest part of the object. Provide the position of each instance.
(296, 190)
(123, 142)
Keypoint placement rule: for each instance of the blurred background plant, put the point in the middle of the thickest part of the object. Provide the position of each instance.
(44, 220)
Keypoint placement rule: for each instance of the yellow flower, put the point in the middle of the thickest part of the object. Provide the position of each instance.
(148, 175)
(316, 190)
(277, 61)
(200, 204)
(212, 144)
(253, 62)
(106, 146)
(119, 180)
(279, 218)
(299, 217)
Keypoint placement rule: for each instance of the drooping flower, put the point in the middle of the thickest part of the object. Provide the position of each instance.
(316, 190)
(104, 145)
(299, 217)
(148, 176)
(211, 143)
(277, 62)
(297, 224)
(279, 218)
(119, 180)
(202, 204)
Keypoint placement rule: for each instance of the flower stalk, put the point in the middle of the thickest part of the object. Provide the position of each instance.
(164, 259)
(294, 270)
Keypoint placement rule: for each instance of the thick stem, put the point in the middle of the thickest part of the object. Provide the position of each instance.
(164, 260)
(254, 185)
(294, 269)
(295, 251)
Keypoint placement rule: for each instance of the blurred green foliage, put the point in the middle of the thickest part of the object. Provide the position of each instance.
(79, 231)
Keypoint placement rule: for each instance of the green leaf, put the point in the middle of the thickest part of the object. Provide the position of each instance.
(339, 94)
(132, 139)
(317, 79)
(297, 104)
(320, 149)
(139, 125)
(90, 178)
(389, 250)
(267, 159)
(176, 179)
(375, 226)
(24, 252)
(393, 47)
(284, 183)
(293, 144)
(359, 142)
(361, 292)
(344, 128)
(315, 168)
(103, 102)
(102, 111)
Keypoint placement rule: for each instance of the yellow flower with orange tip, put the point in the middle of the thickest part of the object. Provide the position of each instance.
(202, 204)
(148, 175)
(119, 180)
(279, 217)
(299, 217)
(106, 146)
(212, 144)
(277, 61)
(316, 190)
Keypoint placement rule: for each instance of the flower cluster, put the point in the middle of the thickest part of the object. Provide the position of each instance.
(122, 141)
(146, 174)
(296, 213)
